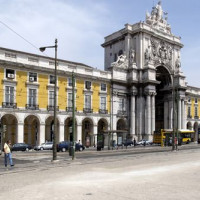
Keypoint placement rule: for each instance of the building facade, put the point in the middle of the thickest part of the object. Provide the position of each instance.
(141, 90)
(27, 98)
(144, 59)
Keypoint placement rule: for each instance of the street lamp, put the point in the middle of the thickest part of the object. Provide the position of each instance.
(55, 99)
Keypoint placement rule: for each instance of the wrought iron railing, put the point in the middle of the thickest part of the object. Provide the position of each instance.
(9, 105)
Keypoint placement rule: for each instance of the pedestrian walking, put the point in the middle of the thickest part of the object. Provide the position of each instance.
(134, 142)
(7, 153)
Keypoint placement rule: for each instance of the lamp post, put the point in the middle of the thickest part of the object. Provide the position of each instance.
(55, 98)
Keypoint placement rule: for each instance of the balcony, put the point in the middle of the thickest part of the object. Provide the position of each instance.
(51, 108)
(196, 117)
(189, 116)
(32, 107)
(87, 110)
(121, 113)
(103, 111)
(70, 109)
(9, 105)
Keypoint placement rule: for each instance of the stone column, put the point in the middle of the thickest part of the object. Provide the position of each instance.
(20, 133)
(127, 45)
(179, 114)
(166, 114)
(133, 113)
(153, 118)
(41, 134)
(94, 142)
(170, 115)
(184, 113)
(61, 132)
(148, 114)
(79, 133)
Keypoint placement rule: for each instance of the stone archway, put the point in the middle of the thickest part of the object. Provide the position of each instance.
(68, 130)
(189, 125)
(102, 126)
(49, 127)
(163, 99)
(10, 123)
(31, 130)
(87, 132)
(121, 136)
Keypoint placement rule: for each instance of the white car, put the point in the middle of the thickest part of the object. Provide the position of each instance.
(141, 142)
(44, 146)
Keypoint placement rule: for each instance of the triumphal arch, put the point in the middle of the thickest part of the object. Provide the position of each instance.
(147, 81)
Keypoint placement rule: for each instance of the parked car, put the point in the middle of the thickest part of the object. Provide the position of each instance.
(141, 142)
(21, 147)
(65, 145)
(44, 146)
(128, 143)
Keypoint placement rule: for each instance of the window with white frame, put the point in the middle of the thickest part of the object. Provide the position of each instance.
(32, 97)
(69, 100)
(122, 104)
(103, 87)
(9, 94)
(88, 101)
(70, 82)
(189, 111)
(32, 77)
(88, 85)
(103, 103)
(196, 111)
(52, 79)
(10, 73)
(51, 98)
(196, 100)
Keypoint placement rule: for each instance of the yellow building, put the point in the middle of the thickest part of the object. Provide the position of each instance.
(27, 98)
(193, 109)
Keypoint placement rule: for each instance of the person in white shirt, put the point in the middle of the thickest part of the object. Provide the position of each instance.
(8, 154)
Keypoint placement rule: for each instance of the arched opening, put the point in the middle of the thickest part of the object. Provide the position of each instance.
(164, 94)
(49, 129)
(9, 124)
(31, 130)
(189, 125)
(121, 136)
(68, 130)
(87, 132)
(102, 126)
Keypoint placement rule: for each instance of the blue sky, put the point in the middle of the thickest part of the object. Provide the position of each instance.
(81, 25)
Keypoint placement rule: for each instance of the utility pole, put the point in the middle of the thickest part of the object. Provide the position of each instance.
(73, 117)
(174, 115)
(111, 113)
(177, 108)
(1, 132)
(42, 49)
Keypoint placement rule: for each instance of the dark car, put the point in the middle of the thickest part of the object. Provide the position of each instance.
(65, 145)
(128, 143)
(21, 147)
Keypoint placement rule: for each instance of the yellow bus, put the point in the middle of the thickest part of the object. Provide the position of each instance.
(165, 137)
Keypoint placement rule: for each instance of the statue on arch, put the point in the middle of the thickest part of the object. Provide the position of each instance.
(147, 54)
(132, 56)
(122, 61)
(159, 11)
(178, 65)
